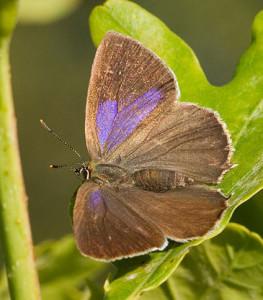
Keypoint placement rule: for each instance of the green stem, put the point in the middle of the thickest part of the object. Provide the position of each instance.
(14, 220)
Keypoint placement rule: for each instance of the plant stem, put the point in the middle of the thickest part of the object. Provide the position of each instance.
(14, 221)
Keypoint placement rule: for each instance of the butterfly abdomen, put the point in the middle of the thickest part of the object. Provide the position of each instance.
(160, 180)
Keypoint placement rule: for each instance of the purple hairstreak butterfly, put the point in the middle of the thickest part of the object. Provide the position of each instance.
(153, 159)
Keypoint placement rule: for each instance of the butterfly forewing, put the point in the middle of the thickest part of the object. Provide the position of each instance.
(128, 84)
(106, 228)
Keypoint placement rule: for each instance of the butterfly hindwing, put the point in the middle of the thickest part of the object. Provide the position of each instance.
(187, 139)
(182, 213)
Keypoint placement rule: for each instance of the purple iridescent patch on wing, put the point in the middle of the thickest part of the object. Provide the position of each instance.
(115, 126)
(107, 111)
(131, 116)
(95, 198)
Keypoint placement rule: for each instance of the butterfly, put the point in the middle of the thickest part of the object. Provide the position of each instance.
(152, 159)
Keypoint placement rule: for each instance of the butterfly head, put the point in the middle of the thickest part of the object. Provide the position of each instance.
(83, 172)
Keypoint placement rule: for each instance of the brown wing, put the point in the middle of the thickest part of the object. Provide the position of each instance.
(128, 84)
(106, 228)
(110, 224)
(186, 138)
(181, 214)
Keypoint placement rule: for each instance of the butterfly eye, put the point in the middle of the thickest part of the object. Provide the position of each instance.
(84, 172)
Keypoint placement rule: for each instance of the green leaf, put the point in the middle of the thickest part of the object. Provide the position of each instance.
(239, 103)
(230, 266)
(163, 292)
(45, 11)
(64, 273)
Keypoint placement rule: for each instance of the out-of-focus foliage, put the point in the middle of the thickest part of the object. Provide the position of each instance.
(45, 11)
(65, 274)
(251, 213)
(7, 17)
(229, 266)
(239, 103)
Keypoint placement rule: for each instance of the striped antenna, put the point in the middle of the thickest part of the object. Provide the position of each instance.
(59, 138)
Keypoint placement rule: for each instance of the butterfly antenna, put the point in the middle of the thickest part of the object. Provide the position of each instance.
(44, 125)
(58, 166)
(71, 166)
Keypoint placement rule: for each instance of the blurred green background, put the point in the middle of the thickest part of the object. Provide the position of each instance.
(51, 64)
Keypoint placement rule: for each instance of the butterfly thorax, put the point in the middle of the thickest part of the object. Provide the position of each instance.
(108, 174)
